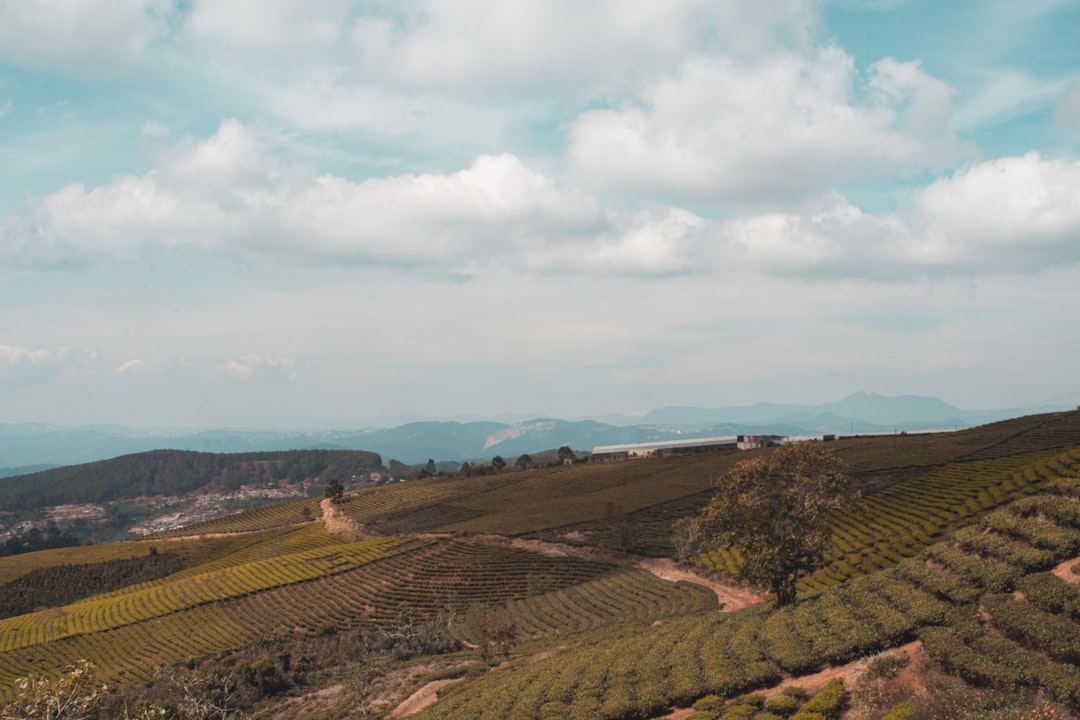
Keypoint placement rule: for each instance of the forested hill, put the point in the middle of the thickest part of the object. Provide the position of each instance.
(176, 472)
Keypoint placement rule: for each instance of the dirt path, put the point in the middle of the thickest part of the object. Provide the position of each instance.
(421, 699)
(730, 595)
(340, 524)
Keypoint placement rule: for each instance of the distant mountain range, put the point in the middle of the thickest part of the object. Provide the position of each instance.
(414, 442)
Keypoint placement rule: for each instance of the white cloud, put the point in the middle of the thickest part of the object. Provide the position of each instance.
(226, 196)
(129, 367)
(84, 38)
(1009, 214)
(510, 45)
(1006, 216)
(516, 45)
(729, 132)
(928, 100)
(248, 366)
(274, 32)
(443, 72)
(5, 108)
(25, 365)
(649, 245)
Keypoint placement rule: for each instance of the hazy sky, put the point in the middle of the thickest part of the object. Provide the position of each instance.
(290, 213)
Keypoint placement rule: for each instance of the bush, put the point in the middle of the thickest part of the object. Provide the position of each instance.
(804, 715)
(782, 704)
(739, 712)
(709, 703)
(903, 711)
(886, 666)
(828, 701)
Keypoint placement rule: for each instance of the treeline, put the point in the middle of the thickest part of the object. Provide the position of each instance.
(35, 539)
(56, 586)
(176, 472)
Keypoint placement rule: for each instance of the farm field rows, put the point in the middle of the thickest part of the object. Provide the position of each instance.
(901, 520)
(628, 643)
(337, 586)
(936, 597)
(176, 600)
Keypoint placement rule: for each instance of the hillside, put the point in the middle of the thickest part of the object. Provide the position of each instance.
(108, 498)
(551, 592)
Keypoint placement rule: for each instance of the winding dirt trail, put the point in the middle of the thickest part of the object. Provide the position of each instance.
(420, 699)
(730, 595)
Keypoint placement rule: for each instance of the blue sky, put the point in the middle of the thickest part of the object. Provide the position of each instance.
(293, 214)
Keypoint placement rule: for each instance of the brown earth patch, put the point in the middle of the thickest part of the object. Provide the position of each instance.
(340, 524)
(421, 699)
(1065, 571)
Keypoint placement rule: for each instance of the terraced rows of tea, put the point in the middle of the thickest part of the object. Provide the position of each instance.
(621, 596)
(529, 501)
(128, 633)
(635, 643)
(901, 520)
(291, 512)
(982, 603)
(652, 493)
(179, 606)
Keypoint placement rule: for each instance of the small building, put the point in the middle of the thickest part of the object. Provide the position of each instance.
(603, 453)
(751, 442)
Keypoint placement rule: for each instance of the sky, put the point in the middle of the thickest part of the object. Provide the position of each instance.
(295, 214)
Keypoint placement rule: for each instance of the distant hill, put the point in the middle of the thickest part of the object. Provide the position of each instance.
(24, 470)
(447, 440)
(176, 472)
(860, 412)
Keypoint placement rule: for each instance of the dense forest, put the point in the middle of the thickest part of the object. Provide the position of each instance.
(176, 472)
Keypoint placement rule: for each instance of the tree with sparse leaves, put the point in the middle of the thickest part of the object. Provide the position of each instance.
(523, 461)
(774, 508)
(497, 462)
(566, 454)
(335, 491)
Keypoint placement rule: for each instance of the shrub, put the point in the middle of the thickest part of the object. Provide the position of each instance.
(709, 703)
(828, 701)
(782, 704)
(903, 711)
(751, 699)
(739, 712)
(886, 666)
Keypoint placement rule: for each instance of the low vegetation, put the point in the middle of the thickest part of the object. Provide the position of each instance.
(961, 542)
